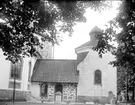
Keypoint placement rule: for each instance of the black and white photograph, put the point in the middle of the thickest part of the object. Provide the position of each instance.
(67, 52)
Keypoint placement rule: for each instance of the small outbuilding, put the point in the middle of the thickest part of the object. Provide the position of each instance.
(58, 79)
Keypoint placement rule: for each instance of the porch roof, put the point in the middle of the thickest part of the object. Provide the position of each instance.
(52, 70)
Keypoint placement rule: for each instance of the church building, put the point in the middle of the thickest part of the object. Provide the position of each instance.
(88, 78)
(20, 74)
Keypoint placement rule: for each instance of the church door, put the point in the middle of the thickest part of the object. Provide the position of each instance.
(58, 92)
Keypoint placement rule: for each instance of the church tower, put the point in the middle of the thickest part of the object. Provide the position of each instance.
(93, 35)
(92, 43)
(48, 50)
(96, 77)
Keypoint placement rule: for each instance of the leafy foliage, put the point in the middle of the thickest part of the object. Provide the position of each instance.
(125, 52)
(25, 18)
(121, 80)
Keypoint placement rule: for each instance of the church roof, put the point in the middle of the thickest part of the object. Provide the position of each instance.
(95, 29)
(52, 70)
(88, 44)
(92, 42)
(81, 56)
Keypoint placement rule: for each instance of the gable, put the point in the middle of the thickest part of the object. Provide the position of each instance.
(81, 56)
(86, 46)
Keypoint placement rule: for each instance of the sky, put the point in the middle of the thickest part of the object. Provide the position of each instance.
(66, 49)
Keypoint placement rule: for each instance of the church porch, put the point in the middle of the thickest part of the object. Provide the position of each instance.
(58, 92)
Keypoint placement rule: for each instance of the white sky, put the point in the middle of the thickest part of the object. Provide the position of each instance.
(66, 50)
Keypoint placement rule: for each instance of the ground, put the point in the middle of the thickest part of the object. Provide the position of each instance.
(22, 103)
(25, 103)
(30, 103)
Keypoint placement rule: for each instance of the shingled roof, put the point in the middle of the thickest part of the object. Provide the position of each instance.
(52, 70)
(87, 44)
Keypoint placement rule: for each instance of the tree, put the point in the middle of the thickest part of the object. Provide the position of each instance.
(25, 18)
(125, 53)
(121, 80)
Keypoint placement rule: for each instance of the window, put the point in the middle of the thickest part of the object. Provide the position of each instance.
(16, 69)
(44, 88)
(29, 71)
(97, 77)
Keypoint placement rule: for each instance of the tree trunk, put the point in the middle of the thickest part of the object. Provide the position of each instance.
(133, 94)
(127, 98)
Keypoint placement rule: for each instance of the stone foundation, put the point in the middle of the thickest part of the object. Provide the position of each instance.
(69, 92)
(8, 95)
(99, 99)
(51, 87)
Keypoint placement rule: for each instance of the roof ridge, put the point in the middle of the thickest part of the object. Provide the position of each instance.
(82, 45)
(57, 59)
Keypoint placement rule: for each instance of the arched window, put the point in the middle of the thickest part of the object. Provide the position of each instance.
(98, 77)
(16, 69)
(43, 90)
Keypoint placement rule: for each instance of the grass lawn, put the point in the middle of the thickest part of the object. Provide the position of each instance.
(31, 103)
(22, 103)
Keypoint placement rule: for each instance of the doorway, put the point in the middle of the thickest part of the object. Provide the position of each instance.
(58, 92)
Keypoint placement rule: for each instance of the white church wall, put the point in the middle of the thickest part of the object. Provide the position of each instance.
(92, 62)
(24, 76)
(4, 71)
(35, 89)
(24, 84)
(112, 78)
(34, 86)
(6, 92)
(25, 73)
